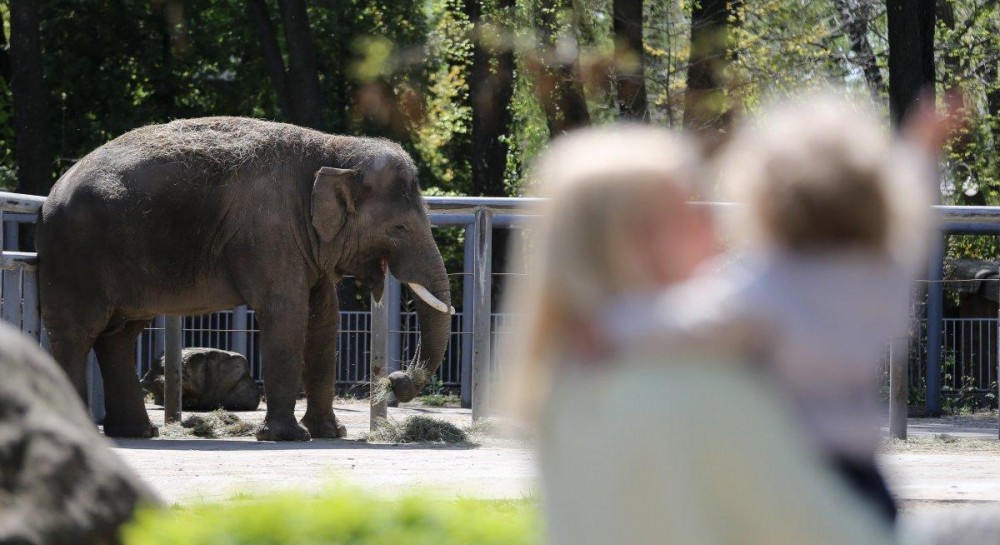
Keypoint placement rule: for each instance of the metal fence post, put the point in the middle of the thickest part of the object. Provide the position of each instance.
(468, 311)
(898, 387)
(379, 358)
(394, 296)
(11, 279)
(95, 389)
(481, 338)
(31, 316)
(240, 325)
(935, 307)
(172, 391)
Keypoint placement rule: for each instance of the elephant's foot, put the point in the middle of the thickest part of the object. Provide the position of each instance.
(132, 430)
(274, 429)
(324, 425)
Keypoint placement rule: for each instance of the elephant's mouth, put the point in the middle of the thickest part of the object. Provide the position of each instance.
(418, 289)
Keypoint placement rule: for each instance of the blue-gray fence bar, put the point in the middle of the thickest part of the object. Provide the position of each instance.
(481, 314)
(20, 298)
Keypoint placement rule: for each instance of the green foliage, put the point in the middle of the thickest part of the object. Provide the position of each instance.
(340, 516)
(434, 394)
(110, 66)
(443, 141)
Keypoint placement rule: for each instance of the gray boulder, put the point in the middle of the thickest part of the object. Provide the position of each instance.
(211, 379)
(59, 481)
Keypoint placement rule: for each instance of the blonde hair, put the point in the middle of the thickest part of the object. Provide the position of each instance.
(821, 174)
(601, 183)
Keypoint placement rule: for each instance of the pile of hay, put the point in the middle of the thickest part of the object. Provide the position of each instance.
(211, 425)
(416, 429)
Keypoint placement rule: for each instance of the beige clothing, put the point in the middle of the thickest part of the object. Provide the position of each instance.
(691, 452)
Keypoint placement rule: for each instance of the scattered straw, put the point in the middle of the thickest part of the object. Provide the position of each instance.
(416, 429)
(419, 374)
(383, 387)
(211, 425)
(941, 443)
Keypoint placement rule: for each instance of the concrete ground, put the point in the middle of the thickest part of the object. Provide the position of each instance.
(947, 463)
(192, 470)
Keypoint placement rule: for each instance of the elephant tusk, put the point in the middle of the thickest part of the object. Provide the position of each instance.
(429, 298)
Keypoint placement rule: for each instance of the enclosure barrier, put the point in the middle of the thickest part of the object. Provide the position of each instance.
(479, 217)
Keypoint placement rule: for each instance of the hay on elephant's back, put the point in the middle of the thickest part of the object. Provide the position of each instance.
(215, 424)
(416, 429)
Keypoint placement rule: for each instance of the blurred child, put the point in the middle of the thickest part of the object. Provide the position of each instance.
(832, 228)
(660, 440)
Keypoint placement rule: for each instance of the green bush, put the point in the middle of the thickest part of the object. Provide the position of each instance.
(340, 517)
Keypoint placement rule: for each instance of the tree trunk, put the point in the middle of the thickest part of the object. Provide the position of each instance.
(991, 78)
(911, 54)
(304, 95)
(559, 87)
(630, 77)
(705, 100)
(491, 87)
(275, 64)
(854, 19)
(34, 160)
(171, 15)
(4, 55)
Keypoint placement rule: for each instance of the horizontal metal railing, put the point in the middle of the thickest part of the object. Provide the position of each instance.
(478, 216)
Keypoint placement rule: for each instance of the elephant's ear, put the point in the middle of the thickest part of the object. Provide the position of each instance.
(334, 197)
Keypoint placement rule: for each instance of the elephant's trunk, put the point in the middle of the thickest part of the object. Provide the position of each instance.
(433, 306)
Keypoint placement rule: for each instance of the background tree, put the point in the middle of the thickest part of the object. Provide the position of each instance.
(559, 84)
(304, 96)
(630, 77)
(34, 159)
(705, 98)
(491, 88)
(911, 54)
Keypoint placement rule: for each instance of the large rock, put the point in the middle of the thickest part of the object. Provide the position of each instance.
(59, 481)
(212, 379)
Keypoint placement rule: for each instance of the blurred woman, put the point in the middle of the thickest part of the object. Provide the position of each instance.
(661, 440)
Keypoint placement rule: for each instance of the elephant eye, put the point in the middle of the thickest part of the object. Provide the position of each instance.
(399, 230)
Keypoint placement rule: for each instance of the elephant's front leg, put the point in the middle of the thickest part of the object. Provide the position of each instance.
(283, 335)
(320, 379)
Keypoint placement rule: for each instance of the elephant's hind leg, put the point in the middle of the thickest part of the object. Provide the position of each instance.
(70, 344)
(320, 374)
(123, 395)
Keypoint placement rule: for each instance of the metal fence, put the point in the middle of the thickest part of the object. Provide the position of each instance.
(946, 353)
(217, 330)
(369, 342)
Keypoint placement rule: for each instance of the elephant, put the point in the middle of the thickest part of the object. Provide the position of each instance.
(199, 215)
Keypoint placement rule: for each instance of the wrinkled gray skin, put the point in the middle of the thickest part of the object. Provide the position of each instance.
(206, 214)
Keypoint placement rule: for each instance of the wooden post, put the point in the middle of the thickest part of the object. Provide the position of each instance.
(898, 387)
(379, 360)
(481, 277)
(172, 391)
